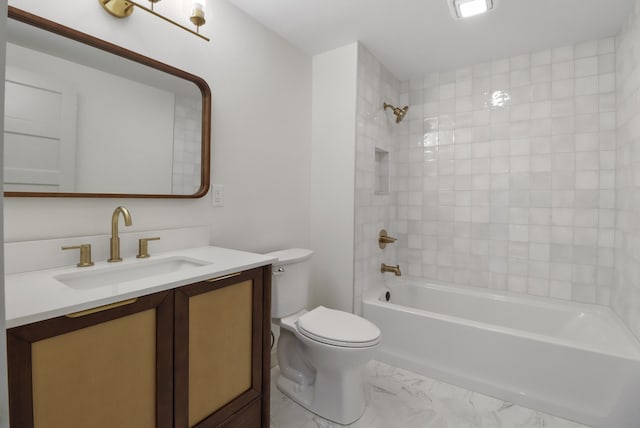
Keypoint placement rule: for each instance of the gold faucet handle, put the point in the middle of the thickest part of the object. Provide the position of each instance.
(85, 254)
(143, 247)
(384, 239)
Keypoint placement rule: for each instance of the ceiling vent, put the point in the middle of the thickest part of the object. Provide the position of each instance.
(468, 8)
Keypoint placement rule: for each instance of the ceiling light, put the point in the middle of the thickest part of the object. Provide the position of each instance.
(467, 8)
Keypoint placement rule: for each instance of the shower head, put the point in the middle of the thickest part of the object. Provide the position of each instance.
(399, 112)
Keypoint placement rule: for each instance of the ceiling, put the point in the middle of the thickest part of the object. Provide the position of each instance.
(411, 37)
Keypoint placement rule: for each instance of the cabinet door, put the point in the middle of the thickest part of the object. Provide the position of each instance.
(106, 367)
(219, 341)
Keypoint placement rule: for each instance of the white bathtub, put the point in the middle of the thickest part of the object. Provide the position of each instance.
(572, 360)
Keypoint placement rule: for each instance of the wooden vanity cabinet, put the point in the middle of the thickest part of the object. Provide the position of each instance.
(197, 356)
(107, 367)
(222, 343)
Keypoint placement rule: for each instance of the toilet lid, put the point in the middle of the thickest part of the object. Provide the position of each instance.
(338, 328)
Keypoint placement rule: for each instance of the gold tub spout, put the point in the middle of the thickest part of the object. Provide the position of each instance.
(115, 239)
(386, 268)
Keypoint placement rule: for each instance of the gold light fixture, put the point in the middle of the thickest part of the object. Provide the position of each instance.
(124, 8)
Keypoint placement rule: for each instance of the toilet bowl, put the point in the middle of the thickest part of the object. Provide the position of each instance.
(321, 352)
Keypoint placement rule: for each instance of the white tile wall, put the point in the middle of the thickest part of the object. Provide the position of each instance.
(506, 174)
(187, 145)
(376, 128)
(626, 299)
(519, 174)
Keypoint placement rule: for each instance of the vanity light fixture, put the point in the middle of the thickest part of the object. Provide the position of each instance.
(467, 8)
(124, 8)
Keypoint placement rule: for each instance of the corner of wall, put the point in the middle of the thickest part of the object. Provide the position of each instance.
(333, 131)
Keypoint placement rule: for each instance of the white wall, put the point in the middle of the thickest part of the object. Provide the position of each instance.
(332, 177)
(260, 130)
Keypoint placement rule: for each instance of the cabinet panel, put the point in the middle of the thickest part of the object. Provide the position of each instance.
(102, 369)
(221, 356)
(247, 417)
(219, 348)
(101, 376)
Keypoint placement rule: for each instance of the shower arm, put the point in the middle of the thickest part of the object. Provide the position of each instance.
(386, 106)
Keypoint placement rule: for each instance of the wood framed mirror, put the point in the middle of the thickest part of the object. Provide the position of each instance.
(87, 118)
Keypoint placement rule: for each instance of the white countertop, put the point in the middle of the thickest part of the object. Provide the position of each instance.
(37, 295)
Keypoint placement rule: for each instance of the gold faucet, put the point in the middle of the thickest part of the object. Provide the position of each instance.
(115, 239)
(386, 268)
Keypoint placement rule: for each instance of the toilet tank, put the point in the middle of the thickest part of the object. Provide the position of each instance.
(290, 286)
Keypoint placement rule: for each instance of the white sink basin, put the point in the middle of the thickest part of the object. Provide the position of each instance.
(117, 274)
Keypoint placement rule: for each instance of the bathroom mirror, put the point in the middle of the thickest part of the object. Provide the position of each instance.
(87, 118)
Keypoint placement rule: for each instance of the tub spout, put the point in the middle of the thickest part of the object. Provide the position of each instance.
(386, 268)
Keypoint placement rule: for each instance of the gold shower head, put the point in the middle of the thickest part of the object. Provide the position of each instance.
(399, 112)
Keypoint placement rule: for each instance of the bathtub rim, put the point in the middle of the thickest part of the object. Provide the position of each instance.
(375, 295)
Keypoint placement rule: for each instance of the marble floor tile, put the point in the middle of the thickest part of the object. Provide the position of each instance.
(398, 398)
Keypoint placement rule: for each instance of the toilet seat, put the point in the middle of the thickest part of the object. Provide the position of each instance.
(338, 328)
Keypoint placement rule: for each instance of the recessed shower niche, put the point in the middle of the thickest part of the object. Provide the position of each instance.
(382, 172)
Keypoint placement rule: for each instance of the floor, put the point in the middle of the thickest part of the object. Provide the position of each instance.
(402, 399)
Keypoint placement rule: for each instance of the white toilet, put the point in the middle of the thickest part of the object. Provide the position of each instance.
(322, 352)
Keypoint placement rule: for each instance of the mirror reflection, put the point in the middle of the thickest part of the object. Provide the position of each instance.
(82, 121)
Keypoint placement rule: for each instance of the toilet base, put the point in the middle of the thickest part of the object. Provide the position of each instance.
(344, 413)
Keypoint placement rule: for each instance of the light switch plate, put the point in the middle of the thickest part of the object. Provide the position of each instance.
(217, 195)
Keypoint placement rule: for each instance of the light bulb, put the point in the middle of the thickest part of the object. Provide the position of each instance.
(197, 12)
